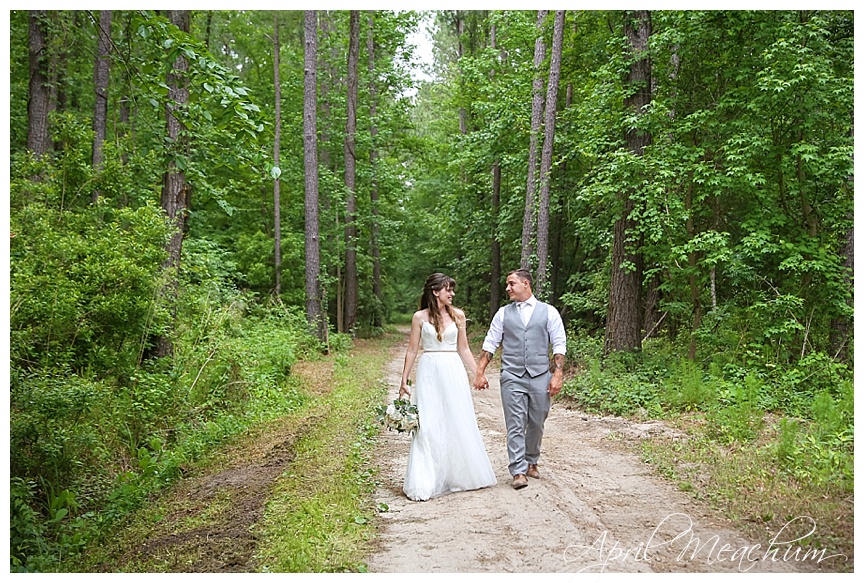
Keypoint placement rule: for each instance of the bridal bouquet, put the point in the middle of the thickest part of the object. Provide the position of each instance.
(400, 415)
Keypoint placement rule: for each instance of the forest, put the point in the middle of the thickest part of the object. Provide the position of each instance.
(199, 200)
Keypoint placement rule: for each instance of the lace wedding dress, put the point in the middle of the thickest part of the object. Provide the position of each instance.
(447, 452)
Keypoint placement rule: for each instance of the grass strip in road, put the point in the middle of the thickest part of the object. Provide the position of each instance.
(319, 516)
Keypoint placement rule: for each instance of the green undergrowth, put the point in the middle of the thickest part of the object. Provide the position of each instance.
(318, 514)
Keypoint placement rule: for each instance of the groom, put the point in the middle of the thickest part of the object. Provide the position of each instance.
(524, 329)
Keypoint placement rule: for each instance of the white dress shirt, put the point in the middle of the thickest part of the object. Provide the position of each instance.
(554, 326)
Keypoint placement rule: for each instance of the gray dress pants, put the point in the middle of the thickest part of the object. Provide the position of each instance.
(526, 405)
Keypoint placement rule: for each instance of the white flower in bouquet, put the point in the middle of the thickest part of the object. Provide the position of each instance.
(400, 415)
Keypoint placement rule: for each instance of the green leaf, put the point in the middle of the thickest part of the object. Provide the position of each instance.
(61, 514)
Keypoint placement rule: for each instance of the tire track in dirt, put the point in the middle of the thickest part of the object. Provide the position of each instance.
(596, 507)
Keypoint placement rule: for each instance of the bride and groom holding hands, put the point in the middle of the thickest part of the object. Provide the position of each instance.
(447, 453)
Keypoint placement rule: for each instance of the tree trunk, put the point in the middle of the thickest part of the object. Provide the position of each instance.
(326, 77)
(351, 283)
(39, 101)
(174, 188)
(528, 219)
(623, 322)
(495, 250)
(314, 314)
(495, 255)
(378, 316)
(460, 52)
(207, 29)
(541, 277)
(277, 137)
(100, 82)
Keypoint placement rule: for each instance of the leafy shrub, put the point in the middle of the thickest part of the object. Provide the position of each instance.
(821, 452)
(55, 425)
(787, 443)
(686, 390)
(795, 386)
(738, 418)
(82, 286)
(340, 343)
(26, 527)
(612, 392)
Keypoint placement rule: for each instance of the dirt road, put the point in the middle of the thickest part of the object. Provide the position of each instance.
(596, 508)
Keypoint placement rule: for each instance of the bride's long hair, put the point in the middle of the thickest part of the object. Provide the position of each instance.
(437, 282)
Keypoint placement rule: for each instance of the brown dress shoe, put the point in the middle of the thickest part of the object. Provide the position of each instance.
(519, 481)
(533, 472)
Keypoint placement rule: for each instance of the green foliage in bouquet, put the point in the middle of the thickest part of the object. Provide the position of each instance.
(400, 415)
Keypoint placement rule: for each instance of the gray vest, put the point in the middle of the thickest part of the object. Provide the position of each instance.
(525, 348)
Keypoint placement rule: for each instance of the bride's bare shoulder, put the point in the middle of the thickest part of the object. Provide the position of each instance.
(420, 316)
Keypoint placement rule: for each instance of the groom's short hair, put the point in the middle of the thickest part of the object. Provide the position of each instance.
(524, 275)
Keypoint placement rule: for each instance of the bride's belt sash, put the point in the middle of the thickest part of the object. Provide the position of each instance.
(440, 351)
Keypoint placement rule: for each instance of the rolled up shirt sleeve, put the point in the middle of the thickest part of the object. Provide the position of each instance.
(495, 333)
(557, 336)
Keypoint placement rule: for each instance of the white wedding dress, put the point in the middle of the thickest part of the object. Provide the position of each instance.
(447, 452)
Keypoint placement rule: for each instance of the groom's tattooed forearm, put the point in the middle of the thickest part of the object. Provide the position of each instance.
(557, 363)
(485, 359)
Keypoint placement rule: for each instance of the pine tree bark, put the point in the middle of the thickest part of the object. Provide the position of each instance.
(495, 253)
(460, 52)
(277, 138)
(328, 87)
(623, 321)
(495, 248)
(100, 82)
(378, 313)
(542, 277)
(175, 194)
(529, 217)
(39, 98)
(314, 313)
(351, 283)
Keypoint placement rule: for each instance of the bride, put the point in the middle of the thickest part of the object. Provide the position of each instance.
(447, 453)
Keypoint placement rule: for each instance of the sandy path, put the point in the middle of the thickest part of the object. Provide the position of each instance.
(596, 508)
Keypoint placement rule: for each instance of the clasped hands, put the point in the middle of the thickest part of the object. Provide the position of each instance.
(480, 382)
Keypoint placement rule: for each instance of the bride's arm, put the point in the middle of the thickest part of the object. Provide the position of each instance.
(411, 353)
(462, 344)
